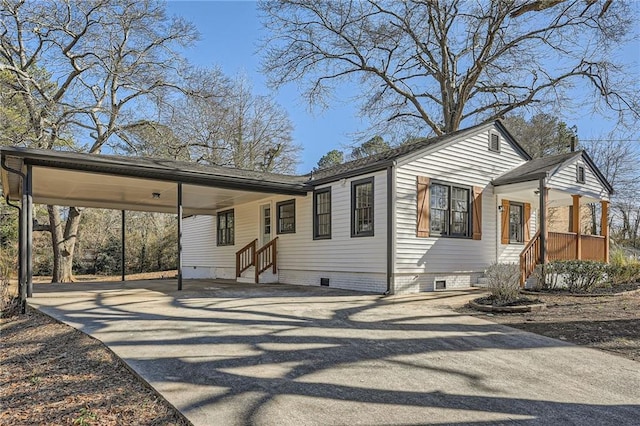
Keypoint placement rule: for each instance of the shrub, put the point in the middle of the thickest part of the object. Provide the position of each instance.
(579, 276)
(623, 269)
(503, 282)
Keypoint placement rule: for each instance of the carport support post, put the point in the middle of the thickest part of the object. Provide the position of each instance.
(179, 236)
(29, 229)
(122, 255)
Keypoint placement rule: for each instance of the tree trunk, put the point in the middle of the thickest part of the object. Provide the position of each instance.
(63, 242)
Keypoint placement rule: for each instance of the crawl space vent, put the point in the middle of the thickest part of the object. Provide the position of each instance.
(324, 282)
(441, 284)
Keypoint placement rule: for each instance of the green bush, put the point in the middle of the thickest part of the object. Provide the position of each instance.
(503, 282)
(623, 269)
(580, 276)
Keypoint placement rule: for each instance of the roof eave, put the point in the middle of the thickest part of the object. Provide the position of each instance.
(374, 167)
(111, 166)
(520, 179)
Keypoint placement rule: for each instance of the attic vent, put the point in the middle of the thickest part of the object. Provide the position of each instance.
(494, 142)
(441, 284)
(580, 173)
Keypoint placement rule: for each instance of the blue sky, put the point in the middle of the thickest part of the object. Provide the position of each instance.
(230, 31)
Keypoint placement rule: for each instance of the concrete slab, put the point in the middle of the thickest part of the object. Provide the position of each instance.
(235, 354)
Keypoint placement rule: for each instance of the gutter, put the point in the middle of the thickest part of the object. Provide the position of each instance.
(374, 167)
(391, 208)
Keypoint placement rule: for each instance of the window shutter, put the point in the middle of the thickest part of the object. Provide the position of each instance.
(527, 216)
(422, 227)
(477, 213)
(505, 222)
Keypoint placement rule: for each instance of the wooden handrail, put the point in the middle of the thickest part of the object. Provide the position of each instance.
(266, 257)
(246, 257)
(529, 258)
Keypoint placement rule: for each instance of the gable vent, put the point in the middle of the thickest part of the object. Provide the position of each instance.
(580, 173)
(494, 142)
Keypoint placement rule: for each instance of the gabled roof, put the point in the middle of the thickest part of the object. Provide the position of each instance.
(386, 158)
(546, 166)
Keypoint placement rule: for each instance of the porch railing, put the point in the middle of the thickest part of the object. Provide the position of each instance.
(246, 257)
(267, 257)
(593, 247)
(561, 246)
(529, 258)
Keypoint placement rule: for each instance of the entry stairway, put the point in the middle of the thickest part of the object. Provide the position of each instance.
(257, 265)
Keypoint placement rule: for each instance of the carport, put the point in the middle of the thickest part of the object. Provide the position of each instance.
(37, 176)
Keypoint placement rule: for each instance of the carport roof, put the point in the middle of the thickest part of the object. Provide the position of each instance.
(109, 181)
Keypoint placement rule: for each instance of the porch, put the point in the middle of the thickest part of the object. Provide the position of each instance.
(566, 184)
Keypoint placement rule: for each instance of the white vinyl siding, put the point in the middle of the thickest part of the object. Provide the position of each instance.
(340, 258)
(465, 162)
(565, 179)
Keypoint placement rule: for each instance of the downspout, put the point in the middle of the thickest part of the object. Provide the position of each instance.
(391, 204)
(22, 290)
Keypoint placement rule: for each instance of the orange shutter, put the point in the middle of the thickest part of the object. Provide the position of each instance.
(476, 208)
(527, 217)
(422, 227)
(505, 222)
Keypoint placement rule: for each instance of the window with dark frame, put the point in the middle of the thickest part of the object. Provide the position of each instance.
(494, 142)
(362, 208)
(322, 214)
(225, 228)
(516, 222)
(286, 211)
(449, 206)
(580, 173)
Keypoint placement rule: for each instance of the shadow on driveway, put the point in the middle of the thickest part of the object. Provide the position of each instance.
(228, 353)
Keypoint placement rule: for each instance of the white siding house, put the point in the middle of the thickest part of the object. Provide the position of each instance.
(430, 215)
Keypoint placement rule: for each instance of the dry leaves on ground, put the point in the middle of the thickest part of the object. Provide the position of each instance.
(53, 374)
(610, 323)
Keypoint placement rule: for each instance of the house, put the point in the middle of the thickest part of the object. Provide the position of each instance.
(425, 216)
(428, 215)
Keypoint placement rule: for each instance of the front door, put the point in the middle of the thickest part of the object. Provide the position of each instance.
(265, 224)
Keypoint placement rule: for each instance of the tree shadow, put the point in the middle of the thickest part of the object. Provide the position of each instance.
(291, 348)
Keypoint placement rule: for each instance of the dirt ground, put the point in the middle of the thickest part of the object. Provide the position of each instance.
(609, 323)
(53, 374)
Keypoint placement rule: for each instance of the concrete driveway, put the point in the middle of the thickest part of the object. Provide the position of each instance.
(238, 354)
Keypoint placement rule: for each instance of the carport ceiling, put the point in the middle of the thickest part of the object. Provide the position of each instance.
(124, 183)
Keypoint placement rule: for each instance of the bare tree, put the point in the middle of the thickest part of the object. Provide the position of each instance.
(107, 59)
(439, 63)
(224, 123)
(619, 161)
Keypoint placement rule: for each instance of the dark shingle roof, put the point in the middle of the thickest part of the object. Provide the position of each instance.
(153, 168)
(535, 169)
(217, 175)
(383, 159)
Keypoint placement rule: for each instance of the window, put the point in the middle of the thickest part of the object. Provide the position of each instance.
(516, 223)
(494, 142)
(449, 207)
(322, 214)
(225, 228)
(286, 217)
(579, 173)
(362, 208)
